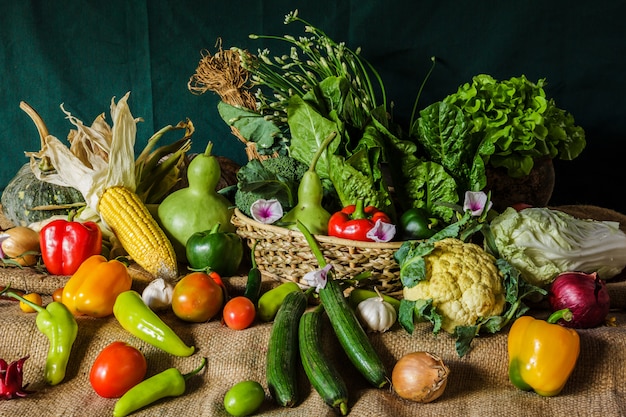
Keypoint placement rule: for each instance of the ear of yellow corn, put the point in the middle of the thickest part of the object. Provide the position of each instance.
(138, 232)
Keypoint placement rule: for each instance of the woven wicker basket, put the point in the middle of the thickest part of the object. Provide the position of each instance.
(284, 255)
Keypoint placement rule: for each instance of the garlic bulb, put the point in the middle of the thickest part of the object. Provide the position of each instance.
(158, 294)
(376, 313)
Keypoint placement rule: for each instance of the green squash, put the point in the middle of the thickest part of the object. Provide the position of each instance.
(197, 207)
(25, 192)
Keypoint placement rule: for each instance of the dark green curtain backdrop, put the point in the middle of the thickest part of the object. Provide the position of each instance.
(82, 53)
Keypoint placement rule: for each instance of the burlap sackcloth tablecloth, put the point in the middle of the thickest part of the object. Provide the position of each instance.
(478, 383)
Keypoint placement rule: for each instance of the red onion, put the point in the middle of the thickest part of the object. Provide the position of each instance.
(584, 294)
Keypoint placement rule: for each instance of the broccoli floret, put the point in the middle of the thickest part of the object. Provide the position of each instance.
(287, 167)
(276, 177)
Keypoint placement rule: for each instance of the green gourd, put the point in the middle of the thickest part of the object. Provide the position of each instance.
(197, 207)
(309, 210)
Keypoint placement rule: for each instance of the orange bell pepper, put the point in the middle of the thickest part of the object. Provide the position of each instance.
(542, 354)
(93, 288)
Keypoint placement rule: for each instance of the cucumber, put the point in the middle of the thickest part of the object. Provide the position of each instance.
(351, 335)
(283, 350)
(348, 330)
(322, 374)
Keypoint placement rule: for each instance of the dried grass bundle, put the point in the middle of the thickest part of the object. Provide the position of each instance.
(223, 74)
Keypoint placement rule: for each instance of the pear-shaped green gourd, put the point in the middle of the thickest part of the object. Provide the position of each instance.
(198, 207)
(309, 210)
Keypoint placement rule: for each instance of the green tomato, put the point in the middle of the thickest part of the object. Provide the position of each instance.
(415, 223)
(244, 398)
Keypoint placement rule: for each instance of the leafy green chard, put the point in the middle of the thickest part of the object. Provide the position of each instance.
(321, 86)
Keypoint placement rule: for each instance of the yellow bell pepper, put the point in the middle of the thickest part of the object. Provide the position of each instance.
(542, 354)
(93, 288)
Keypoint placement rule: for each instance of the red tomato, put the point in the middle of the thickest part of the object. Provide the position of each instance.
(239, 313)
(197, 298)
(118, 368)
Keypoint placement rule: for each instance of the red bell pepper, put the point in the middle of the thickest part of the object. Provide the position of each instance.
(355, 221)
(65, 244)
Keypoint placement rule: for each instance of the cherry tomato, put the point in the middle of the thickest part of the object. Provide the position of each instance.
(239, 313)
(57, 295)
(35, 298)
(118, 368)
(197, 298)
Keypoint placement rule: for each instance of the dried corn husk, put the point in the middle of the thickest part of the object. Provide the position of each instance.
(99, 156)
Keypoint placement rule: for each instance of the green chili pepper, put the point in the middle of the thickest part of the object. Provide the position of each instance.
(137, 318)
(270, 301)
(169, 383)
(253, 285)
(60, 327)
(218, 251)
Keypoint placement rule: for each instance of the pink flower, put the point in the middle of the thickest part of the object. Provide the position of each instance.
(266, 211)
(476, 202)
(382, 232)
(317, 278)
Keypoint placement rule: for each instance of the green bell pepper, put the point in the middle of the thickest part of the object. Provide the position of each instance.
(415, 223)
(213, 250)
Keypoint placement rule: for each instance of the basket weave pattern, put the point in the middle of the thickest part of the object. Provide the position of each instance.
(284, 255)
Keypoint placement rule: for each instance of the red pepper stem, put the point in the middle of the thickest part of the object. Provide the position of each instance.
(564, 314)
(359, 210)
(195, 371)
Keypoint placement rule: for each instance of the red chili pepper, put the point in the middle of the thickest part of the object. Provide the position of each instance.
(11, 377)
(354, 221)
(65, 244)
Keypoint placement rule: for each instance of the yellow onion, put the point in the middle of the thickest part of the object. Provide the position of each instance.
(21, 244)
(420, 376)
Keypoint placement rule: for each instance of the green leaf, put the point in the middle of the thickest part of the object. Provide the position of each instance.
(428, 185)
(410, 257)
(308, 131)
(464, 337)
(426, 311)
(406, 315)
(251, 125)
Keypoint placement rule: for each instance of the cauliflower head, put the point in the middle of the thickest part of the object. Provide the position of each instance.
(463, 282)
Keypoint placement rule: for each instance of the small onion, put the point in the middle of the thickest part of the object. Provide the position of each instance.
(20, 243)
(420, 376)
(584, 294)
